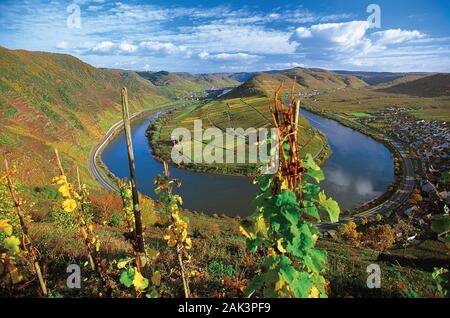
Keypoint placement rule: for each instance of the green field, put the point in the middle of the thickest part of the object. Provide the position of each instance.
(359, 115)
(364, 100)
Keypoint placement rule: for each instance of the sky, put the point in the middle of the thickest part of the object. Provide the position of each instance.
(236, 36)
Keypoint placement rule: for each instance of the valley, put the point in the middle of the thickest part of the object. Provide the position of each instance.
(376, 174)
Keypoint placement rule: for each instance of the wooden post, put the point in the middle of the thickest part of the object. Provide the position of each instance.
(139, 237)
(297, 114)
(26, 238)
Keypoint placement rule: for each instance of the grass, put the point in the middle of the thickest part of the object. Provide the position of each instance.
(359, 115)
(223, 266)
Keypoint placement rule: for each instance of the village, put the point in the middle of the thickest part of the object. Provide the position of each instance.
(428, 145)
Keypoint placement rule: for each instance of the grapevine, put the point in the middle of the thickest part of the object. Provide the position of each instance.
(131, 274)
(289, 205)
(176, 234)
(75, 201)
(14, 246)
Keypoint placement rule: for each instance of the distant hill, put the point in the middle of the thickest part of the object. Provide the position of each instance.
(386, 78)
(178, 84)
(430, 86)
(53, 100)
(307, 80)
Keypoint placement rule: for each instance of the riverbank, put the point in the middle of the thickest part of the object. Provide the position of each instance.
(97, 168)
(400, 189)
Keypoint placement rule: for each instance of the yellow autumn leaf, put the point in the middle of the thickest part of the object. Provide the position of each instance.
(261, 226)
(245, 233)
(280, 246)
(167, 233)
(59, 180)
(280, 283)
(315, 237)
(271, 252)
(139, 281)
(64, 190)
(12, 243)
(188, 243)
(69, 205)
(179, 199)
(156, 278)
(5, 227)
(314, 293)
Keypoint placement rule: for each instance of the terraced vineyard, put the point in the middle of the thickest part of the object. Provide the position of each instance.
(230, 113)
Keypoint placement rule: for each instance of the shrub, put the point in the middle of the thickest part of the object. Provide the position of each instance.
(105, 206)
(350, 233)
(219, 270)
(379, 238)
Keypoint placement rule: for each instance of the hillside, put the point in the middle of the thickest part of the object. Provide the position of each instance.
(264, 84)
(430, 86)
(179, 84)
(384, 78)
(53, 100)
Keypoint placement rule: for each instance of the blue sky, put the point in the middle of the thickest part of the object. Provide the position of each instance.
(234, 36)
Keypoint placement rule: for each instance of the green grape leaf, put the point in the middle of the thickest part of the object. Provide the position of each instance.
(286, 198)
(265, 182)
(331, 206)
(126, 277)
(303, 285)
(314, 170)
(312, 211)
(319, 258)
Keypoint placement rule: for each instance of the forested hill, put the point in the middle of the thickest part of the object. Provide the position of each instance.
(264, 84)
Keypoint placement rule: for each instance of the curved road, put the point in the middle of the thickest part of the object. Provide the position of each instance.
(395, 201)
(93, 166)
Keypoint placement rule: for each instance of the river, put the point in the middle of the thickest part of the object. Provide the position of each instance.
(359, 170)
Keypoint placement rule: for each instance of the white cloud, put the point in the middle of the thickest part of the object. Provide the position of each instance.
(151, 48)
(345, 33)
(396, 36)
(283, 66)
(234, 38)
(303, 33)
(62, 45)
(227, 57)
(103, 47)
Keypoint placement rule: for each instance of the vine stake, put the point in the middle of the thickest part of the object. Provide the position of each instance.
(139, 237)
